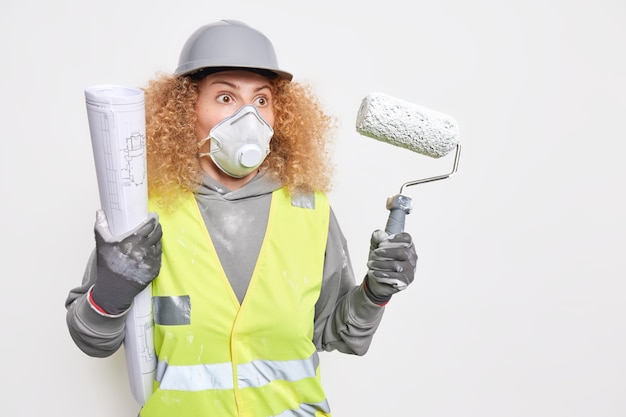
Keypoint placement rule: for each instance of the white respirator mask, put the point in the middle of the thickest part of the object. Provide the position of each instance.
(240, 142)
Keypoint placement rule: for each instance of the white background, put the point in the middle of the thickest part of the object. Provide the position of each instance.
(519, 305)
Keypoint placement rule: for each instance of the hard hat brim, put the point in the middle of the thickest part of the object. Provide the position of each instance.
(199, 68)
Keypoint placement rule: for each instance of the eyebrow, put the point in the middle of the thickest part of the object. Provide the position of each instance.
(228, 83)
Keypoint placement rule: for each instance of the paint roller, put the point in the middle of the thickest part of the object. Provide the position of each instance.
(416, 128)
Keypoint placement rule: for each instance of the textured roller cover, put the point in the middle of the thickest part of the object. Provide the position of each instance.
(407, 125)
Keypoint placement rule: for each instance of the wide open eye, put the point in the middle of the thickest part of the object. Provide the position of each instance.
(225, 98)
(261, 101)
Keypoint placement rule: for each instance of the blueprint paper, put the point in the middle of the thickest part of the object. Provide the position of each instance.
(141, 361)
(118, 136)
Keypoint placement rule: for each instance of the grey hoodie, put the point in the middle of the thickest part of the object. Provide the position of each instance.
(345, 319)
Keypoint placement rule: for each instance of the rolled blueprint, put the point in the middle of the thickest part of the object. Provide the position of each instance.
(117, 125)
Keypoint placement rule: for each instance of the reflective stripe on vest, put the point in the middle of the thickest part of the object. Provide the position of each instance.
(256, 359)
(220, 376)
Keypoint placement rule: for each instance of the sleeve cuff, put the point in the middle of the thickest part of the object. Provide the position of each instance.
(363, 308)
(99, 310)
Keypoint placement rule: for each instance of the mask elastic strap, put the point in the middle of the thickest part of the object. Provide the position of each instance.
(201, 144)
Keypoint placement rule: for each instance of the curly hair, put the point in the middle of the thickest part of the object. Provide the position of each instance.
(299, 150)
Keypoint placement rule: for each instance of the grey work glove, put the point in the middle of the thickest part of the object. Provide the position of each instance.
(125, 264)
(391, 265)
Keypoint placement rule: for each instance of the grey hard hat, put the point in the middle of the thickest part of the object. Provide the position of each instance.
(228, 44)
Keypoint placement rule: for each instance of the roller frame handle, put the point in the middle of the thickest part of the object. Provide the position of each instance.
(399, 206)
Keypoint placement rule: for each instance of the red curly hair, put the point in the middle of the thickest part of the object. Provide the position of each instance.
(299, 150)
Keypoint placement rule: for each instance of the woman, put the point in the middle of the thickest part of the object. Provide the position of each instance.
(250, 271)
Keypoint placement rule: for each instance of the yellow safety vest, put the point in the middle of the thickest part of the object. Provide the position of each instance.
(218, 358)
